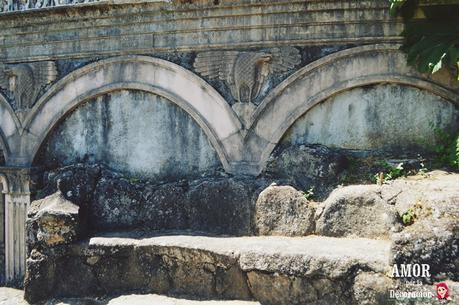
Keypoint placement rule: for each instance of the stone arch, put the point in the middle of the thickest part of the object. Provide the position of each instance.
(329, 76)
(10, 126)
(148, 74)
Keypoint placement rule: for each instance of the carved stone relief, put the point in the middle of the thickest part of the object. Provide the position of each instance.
(23, 82)
(246, 73)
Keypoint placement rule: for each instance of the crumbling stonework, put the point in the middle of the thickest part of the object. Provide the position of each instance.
(270, 269)
(192, 108)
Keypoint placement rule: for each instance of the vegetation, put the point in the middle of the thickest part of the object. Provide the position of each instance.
(309, 194)
(446, 151)
(415, 212)
(432, 41)
(409, 217)
(389, 172)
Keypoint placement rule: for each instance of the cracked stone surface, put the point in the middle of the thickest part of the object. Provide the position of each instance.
(207, 267)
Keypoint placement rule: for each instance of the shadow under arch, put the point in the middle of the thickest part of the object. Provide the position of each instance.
(178, 85)
(333, 74)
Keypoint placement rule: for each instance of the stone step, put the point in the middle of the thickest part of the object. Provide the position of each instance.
(271, 270)
(10, 296)
(148, 299)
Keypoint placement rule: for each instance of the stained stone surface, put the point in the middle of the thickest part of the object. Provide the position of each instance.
(111, 201)
(357, 210)
(134, 132)
(308, 167)
(380, 117)
(373, 288)
(206, 267)
(272, 269)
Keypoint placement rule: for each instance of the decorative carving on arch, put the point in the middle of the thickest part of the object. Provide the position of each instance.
(24, 81)
(246, 73)
(323, 78)
(153, 75)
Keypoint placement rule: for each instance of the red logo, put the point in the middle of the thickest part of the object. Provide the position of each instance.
(442, 291)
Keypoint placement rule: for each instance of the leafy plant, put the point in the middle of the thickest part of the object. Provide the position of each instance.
(309, 194)
(389, 172)
(395, 5)
(431, 46)
(417, 211)
(409, 217)
(431, 43)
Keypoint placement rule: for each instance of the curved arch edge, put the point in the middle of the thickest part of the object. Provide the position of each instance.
(10, 127)
(4, 183)
(203, 103)
(262, 118)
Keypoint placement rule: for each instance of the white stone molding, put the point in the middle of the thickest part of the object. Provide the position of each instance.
(157, 76)
(15, 182)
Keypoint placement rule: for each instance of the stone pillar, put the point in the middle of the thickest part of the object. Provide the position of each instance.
(3, 192)
(17, 199)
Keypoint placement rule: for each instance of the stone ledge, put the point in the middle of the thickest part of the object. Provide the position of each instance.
(241, 268)
(251, 251)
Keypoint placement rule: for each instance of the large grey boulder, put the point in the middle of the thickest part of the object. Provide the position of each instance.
(357, 211)
(282, 210)
(433, 237)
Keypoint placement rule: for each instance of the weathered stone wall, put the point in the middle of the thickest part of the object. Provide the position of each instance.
(134, 132)
(168, 90)
(389, 118)
(150, 27)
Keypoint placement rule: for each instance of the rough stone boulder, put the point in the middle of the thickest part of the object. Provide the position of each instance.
(76, 182)
(214, 205)
(373, 288)
(282, 210)
(357, 211)
(55, 221)
(308, 166)
(433, 236)
(112, 201)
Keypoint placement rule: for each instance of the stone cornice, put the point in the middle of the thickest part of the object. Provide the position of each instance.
(110, 28)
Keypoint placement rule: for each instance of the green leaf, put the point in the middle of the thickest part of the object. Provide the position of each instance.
(438, 65)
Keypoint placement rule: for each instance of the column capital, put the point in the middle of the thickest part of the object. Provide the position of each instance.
(15, 180)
